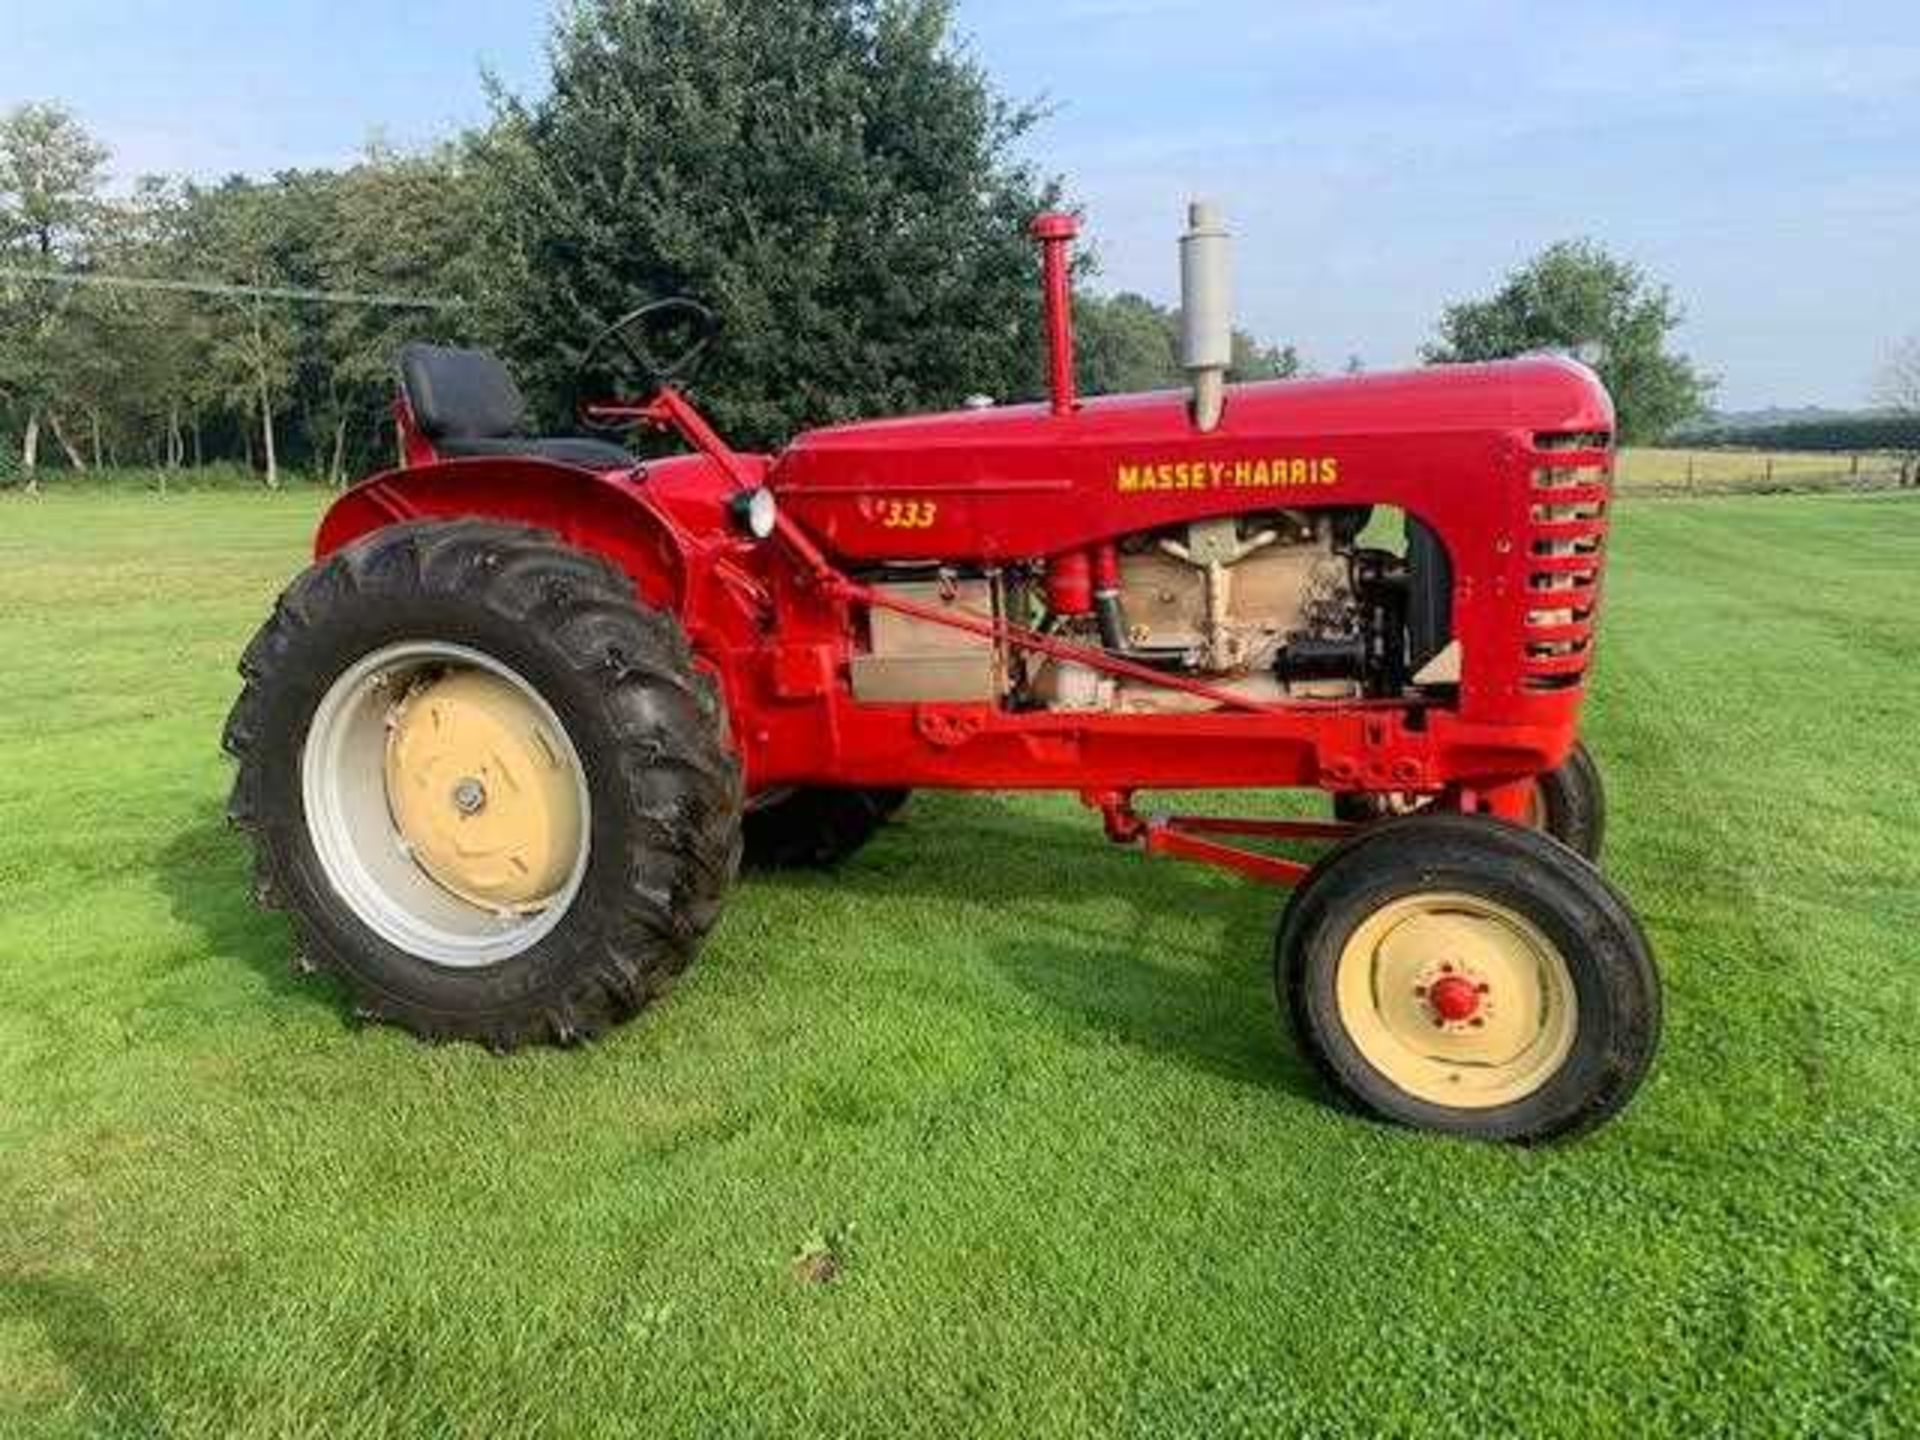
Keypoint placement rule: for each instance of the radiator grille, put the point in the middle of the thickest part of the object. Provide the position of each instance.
(1572, 481)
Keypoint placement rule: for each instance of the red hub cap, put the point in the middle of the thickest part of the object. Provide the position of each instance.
(1454, 998)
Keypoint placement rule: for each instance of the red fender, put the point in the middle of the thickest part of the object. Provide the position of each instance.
(607, 514)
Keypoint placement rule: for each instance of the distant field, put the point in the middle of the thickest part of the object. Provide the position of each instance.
(1658, 470)
(1031, 1090)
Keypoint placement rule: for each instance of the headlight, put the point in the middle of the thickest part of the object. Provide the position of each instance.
(755, 511)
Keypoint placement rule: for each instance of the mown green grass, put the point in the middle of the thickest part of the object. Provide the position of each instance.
(1029, 1088)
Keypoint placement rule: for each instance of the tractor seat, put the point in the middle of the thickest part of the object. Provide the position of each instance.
(466, 403)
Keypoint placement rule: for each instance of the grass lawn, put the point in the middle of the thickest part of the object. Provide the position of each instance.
(1030, 1089)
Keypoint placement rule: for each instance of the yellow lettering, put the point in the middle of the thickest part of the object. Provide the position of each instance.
(1242, 474)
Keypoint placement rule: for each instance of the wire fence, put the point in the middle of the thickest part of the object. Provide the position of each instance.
(1665, 472)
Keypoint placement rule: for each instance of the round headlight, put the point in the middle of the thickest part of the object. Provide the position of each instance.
(755, 512)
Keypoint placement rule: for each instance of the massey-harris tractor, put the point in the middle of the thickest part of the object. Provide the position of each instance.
(502, 747)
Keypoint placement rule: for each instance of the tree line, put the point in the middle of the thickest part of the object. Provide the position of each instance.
(838, 179)
(1839, 434)
(95, 373)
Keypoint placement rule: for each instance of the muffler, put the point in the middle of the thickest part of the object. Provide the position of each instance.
(1206, 310)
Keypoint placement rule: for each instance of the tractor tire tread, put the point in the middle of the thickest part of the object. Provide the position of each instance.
(1575, 803)
(663, 714)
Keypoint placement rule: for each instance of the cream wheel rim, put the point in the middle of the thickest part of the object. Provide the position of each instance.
(446, 803)
(1457, 1000)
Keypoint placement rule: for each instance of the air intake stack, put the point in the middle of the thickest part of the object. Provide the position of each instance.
(1206, 310)
(1055, 231)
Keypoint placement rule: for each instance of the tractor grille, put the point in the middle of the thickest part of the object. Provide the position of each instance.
(1567, 537)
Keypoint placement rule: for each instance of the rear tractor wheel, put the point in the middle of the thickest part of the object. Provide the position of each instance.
(1462, 974)
(816, 825)
(492, 790)
(1568, 802)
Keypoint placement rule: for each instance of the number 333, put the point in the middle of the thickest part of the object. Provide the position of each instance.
(907, 514)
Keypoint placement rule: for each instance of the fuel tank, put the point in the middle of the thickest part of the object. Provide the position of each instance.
(1020, 481)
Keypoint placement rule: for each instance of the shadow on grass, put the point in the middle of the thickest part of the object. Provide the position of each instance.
(1214, 1023)
(206, 872)
(81, 1332)
(1199, 993)
(1197, 990)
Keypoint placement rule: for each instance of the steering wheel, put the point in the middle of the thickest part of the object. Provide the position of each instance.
(636, 336)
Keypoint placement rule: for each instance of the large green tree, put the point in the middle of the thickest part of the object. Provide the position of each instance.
(1574, 296)
(834, 177)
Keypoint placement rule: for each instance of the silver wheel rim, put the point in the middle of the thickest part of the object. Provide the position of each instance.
(360, 845)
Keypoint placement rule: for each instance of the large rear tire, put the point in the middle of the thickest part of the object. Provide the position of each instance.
(1462, 974)
(492, 790)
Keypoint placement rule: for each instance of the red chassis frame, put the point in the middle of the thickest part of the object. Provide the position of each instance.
(1509, 464)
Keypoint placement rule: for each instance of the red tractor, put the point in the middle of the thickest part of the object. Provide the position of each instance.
(502, 747)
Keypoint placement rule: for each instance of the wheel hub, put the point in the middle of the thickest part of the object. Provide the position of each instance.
(481, 794)
(1456, 999)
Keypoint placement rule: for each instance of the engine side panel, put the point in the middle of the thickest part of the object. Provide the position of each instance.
(1506, 464)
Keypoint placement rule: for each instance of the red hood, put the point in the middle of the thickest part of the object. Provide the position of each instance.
(1539, 393)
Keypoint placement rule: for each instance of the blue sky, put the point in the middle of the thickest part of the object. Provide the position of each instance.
(1377, 158)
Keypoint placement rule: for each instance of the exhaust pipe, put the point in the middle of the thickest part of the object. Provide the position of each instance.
(1206, 310)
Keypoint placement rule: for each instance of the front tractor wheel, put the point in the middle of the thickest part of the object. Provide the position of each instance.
(1462, 974)
(493, 791)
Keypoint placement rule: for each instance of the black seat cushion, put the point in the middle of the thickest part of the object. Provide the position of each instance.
(466, 403)
(567, 449)
(460, 394)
